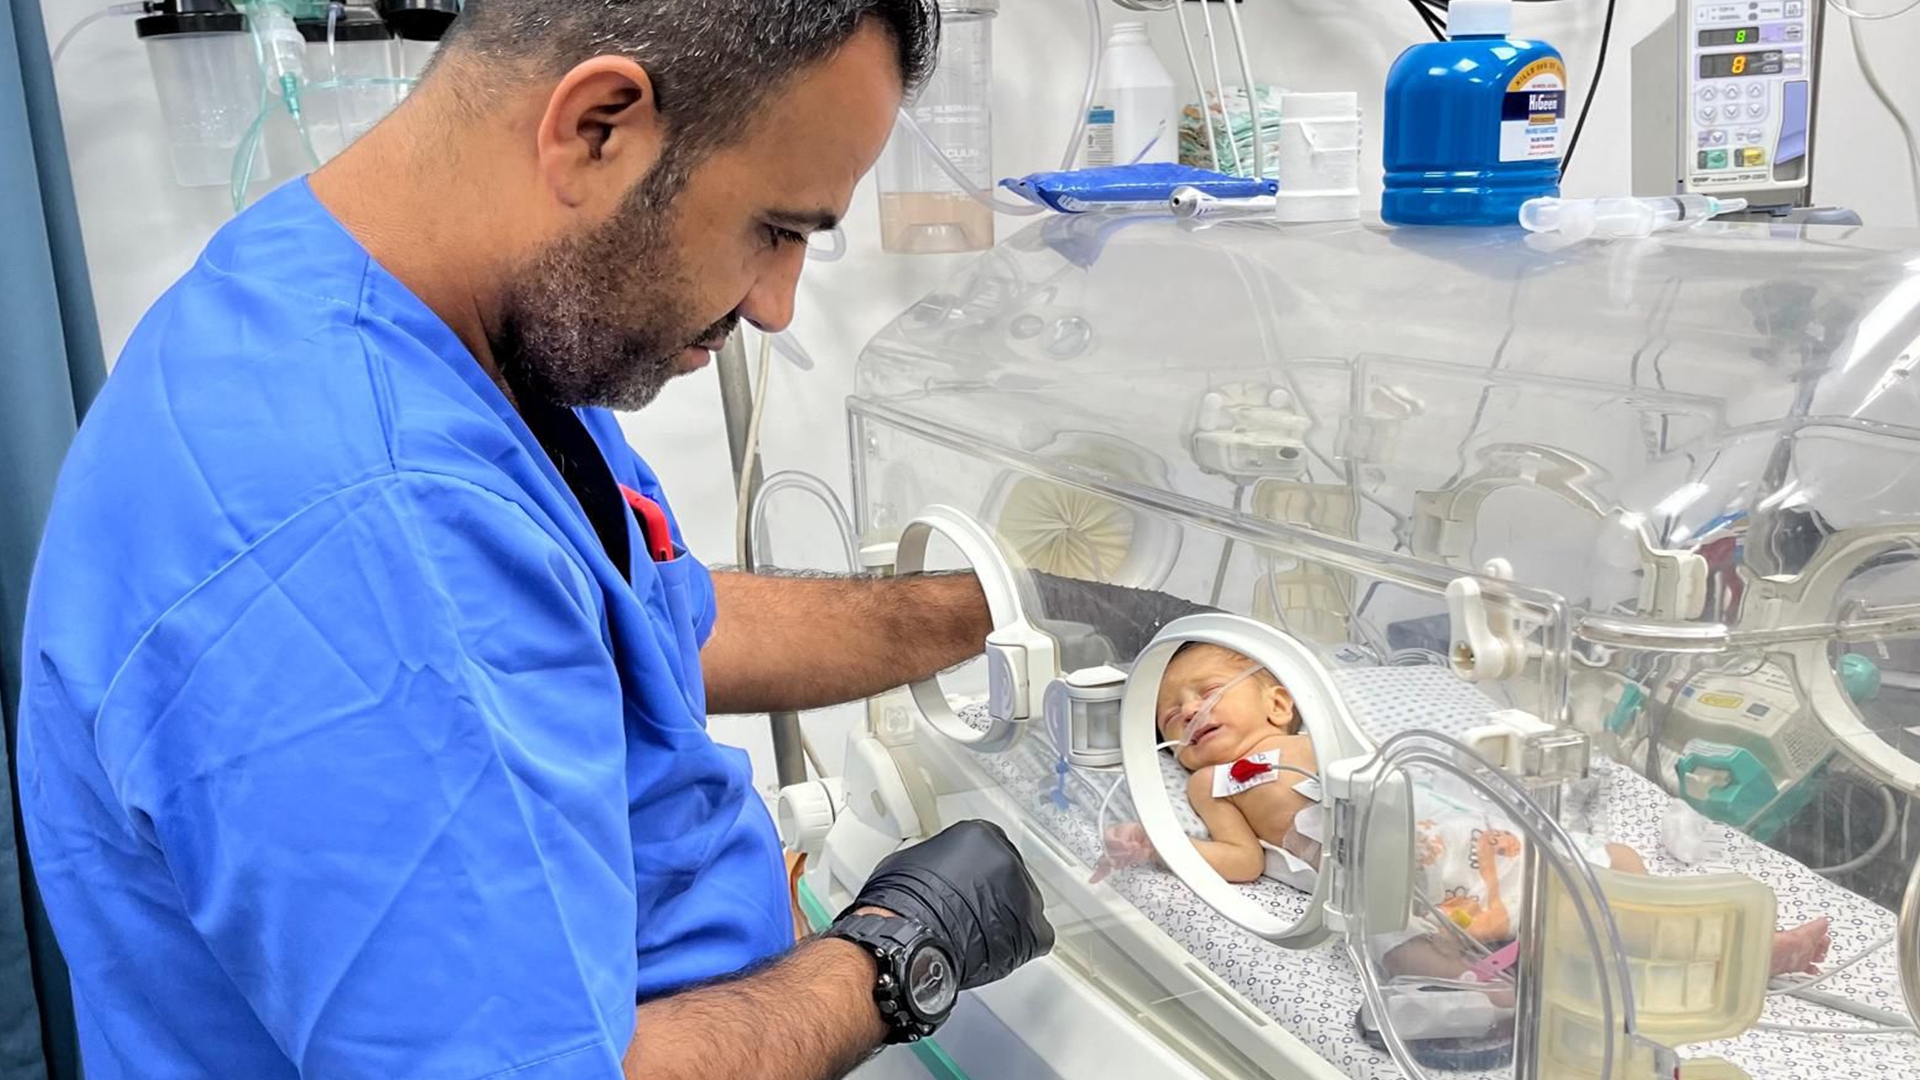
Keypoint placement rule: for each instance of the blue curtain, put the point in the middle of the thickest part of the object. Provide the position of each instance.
(50, 368)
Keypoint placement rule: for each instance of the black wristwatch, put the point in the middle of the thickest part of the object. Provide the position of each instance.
(917, 985)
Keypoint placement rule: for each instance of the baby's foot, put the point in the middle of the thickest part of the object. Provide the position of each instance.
(1801, 949)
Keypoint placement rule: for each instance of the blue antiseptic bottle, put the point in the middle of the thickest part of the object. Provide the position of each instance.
(1475, 125)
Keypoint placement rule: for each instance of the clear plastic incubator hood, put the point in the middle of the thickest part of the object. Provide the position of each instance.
(1617, 544)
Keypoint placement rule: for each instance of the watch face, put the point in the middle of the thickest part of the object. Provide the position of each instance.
(931, 986)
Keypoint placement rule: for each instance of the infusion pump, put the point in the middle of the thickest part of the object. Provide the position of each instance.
(1747, 80)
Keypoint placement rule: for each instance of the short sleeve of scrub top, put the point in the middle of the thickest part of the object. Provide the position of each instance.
(344, 784)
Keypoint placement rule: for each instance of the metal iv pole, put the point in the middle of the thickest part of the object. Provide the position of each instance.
(736, 405)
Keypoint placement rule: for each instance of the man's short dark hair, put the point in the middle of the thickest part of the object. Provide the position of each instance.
(712, 62)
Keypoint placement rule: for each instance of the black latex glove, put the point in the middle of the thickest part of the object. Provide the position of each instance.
(1126, 618)
(970, 888)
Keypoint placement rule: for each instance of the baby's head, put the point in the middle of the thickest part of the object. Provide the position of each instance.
(1252, 709)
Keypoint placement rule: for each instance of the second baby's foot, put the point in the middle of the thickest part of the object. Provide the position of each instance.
(1801, 949)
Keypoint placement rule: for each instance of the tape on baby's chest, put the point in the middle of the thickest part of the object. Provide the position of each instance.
(1246, 774)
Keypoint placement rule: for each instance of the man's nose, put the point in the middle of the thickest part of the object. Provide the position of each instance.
(769, 305)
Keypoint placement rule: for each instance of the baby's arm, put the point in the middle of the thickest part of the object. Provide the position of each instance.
(1235, 851)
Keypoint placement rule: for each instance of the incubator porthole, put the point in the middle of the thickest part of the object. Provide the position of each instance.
(987, 703)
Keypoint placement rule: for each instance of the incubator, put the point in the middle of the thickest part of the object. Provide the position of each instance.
(1601, 545)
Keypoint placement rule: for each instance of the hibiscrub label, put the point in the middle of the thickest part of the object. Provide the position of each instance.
(1533, 113)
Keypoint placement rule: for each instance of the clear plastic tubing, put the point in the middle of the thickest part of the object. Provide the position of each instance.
(1622, 217)
(813, 485)
(354, 50)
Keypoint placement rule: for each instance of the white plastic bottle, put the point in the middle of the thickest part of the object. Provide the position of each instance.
(1136, 112)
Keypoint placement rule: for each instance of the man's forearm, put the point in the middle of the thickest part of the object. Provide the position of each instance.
(809, 1016)
(789, 643)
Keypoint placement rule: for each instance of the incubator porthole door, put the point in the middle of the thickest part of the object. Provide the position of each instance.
(1020, 660)
(1334, 732)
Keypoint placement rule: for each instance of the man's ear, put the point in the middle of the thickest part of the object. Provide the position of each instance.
(601, 132)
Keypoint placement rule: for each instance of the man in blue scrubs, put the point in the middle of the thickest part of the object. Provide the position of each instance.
(367, 675)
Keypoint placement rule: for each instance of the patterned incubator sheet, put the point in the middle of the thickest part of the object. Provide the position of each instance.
(1316, 993)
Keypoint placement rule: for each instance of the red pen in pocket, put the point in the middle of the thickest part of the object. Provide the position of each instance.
(653, 523)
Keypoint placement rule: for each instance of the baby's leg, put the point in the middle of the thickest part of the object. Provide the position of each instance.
(1795, 950)
(1802, 948)
(1625, 859)
(1428, 957)
(1436, 957)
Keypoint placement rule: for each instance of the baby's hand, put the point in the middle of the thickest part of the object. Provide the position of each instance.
(1127, 845)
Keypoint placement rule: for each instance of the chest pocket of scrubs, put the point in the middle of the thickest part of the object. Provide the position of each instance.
(684, 620)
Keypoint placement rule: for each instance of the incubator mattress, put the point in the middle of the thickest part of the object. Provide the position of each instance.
(1314, 994)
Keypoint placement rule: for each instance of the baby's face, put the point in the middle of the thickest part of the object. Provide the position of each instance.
(1249, 711)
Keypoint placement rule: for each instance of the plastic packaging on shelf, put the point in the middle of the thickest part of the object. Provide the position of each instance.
(1233, 131)
(1319, 157)
(1130, 186)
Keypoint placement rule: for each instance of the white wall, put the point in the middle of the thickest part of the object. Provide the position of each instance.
(142, 231)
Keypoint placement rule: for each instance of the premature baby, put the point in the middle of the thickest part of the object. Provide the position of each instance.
(1241, 740)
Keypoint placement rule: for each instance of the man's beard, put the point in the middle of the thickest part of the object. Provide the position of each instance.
(561, 338)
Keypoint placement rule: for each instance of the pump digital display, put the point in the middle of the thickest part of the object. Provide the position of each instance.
(1744, 35)
(1729, 65)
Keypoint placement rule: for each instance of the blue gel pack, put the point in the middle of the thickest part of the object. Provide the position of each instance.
(1129, 186)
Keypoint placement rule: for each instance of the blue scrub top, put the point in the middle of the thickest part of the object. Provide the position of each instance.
(345, 750)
